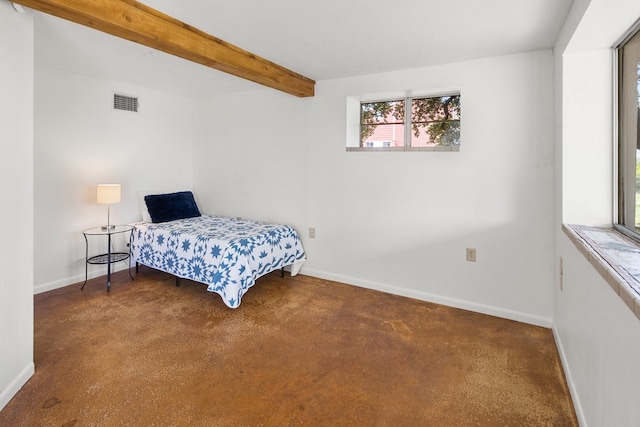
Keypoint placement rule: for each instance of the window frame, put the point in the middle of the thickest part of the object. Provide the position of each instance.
(407, 120)
(403, 123)
(622, 174)
(353, 110)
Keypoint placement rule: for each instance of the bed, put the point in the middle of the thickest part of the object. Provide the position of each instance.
(227, 254)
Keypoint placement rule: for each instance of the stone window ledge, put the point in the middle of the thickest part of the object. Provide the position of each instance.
(615, 256)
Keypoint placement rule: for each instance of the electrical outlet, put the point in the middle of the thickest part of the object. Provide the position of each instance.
(471, 254)
(312, 232)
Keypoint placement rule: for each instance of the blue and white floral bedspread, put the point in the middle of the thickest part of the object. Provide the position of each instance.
(227, 254)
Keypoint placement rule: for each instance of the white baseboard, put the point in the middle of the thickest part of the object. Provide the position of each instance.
(569, 378)
(7, 394)
(424, 296)
(437, 299)
(79, 278)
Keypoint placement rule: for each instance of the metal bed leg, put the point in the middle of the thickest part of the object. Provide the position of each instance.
(130, 258)
(282, 272)
(86, 260)
(177, 281)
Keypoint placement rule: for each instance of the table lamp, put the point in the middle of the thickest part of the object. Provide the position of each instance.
(108, 194)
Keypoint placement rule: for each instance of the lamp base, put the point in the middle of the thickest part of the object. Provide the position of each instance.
(108, 227)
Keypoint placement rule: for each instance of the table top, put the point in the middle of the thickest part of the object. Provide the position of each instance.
(115, 230)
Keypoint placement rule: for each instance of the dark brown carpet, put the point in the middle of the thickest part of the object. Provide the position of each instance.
(297, 351)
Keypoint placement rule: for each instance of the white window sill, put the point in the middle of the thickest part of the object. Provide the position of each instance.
(614, 256)
(446, 148)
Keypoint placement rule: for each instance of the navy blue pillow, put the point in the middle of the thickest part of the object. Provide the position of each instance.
(171, 206)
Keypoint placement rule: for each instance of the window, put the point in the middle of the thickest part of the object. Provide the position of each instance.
(413, 122)
(629, 135)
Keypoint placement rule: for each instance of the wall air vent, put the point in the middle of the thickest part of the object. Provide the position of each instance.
(126, 103)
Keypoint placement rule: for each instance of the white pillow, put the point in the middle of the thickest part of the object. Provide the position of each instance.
(143, 205)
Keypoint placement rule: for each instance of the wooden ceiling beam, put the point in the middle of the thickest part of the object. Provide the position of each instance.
(131, 20)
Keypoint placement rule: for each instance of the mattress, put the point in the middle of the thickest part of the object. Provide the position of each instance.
(227, 254)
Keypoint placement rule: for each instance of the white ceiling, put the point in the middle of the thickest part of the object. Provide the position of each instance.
(322, 40)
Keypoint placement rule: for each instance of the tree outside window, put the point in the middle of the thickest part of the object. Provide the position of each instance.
(432, 121)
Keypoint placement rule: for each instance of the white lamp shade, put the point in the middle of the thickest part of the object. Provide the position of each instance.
(108, 194)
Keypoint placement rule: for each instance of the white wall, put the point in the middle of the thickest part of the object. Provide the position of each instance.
(400, 222)
(596, 332)
(80, 141)
(16, 215)
(598, 337)
(587, 133)
(251, 160)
